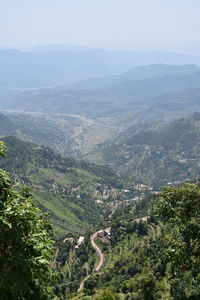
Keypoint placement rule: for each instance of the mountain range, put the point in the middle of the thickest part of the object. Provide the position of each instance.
(148, 92)
(55, 66)
(95, 153)
(73, 119)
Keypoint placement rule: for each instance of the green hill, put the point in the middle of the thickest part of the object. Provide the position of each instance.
(65, 187)
(155, 153)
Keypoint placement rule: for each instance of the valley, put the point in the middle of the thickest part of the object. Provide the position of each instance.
(77, 194)
(69, 134)
(74, 119)
(99, 150)
(95, 154)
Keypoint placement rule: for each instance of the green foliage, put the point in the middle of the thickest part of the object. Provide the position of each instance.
(180, 207)
(142, 287)
(26, 248)
(107, 295)
(2, 148)
(90, 285)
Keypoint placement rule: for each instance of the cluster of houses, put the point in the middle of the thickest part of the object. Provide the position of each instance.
(72, 241)
(104, 233)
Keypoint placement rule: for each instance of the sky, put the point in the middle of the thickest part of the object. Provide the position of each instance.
(112, 24)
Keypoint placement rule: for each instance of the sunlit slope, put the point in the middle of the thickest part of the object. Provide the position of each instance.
(156, 153)
(64, 187)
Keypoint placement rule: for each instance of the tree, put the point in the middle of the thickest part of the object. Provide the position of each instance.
(26, 247)
(90, 285)
(107, 295)
(142, 286)
(180, 208)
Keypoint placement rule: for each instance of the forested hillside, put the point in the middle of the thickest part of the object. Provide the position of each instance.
(153, 253)
(66, 188)
(155, 153)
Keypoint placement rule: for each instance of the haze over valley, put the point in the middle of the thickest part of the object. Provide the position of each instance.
(99, 150)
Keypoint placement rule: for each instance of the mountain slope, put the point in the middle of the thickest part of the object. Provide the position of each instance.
(64, 187)
(152, 252)
(155, 153)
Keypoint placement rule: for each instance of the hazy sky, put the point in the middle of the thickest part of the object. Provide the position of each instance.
(121, 24)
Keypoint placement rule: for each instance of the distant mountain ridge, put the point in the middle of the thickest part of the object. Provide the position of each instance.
(73, 119)
(128, 98)
(138, 73)
(54, 68)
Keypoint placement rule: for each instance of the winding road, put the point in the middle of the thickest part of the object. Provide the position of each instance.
(98, 251)
(100, 255)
